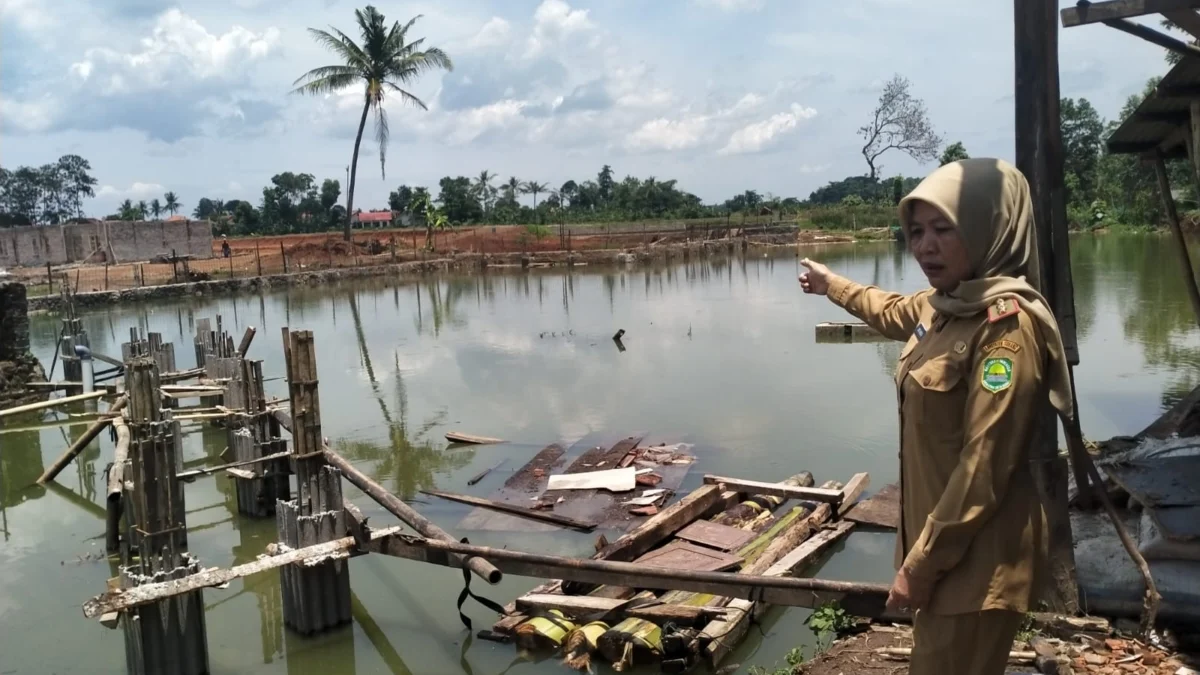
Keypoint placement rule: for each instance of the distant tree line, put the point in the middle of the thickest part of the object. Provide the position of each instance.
(1102, 189)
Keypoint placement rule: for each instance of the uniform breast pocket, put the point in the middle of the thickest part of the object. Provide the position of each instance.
(940, 374)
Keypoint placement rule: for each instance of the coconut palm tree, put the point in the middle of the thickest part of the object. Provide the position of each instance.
(512, 187)
(483, 189)
(156, 208)
(142, 209)
(171, 202)
(381, 63)
(533, 188)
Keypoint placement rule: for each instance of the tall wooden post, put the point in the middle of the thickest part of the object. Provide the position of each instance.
(168, 636)
(1039, 156)
(315, 597)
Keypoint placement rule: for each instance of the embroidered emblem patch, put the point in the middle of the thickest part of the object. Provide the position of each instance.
(997, 374)
(920, 331)
(1002, 344)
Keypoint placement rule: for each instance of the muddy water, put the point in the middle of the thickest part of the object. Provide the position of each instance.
(717, 353)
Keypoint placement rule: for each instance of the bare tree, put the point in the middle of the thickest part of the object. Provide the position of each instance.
(899, 122)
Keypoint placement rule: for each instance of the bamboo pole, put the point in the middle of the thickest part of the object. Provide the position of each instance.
(81, 443)
(52, 403)
(114, 503)
(407, 514)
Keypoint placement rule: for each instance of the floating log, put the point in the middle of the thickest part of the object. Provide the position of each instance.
(82, 442)
(52, 403)
(847, 332)
(459, 437)
(859, 599)
(515, 510)
(582, 605)
(776, 489)
(406, 513)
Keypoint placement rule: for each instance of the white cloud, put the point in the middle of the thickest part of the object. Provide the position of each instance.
(178, 49)
(665, 134)
(31, 116)
(495, 33)
(734, 5)
(135, 191)
(468, 125)
(753, 137)
(30, 15)
(553, 22)
(745, 104)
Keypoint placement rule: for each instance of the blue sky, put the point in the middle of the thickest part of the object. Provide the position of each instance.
(723, 95)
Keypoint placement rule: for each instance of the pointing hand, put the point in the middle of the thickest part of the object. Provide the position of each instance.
(816, 279)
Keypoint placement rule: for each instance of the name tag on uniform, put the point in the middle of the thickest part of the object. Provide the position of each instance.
(920, 331)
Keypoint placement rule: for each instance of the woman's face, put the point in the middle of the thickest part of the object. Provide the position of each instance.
(938, 247)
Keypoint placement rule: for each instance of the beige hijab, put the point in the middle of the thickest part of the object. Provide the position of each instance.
(988, 201)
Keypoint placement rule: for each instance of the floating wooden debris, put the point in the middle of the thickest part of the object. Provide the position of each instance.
(881, 510)
(469, 439)
(613, 480)
(682, 555)
(846, 332)
(480, 476)
(715, 535)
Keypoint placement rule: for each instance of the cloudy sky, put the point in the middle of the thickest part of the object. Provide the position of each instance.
(723, 95)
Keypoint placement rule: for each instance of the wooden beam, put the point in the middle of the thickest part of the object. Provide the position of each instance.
(822, 495)
(187, 475)
(1187, 19)
(1096, 12)
(1154, 37)
(858, 483)
(1185, 260)
(119, 599)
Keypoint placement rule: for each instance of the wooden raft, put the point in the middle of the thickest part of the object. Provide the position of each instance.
(785, 528)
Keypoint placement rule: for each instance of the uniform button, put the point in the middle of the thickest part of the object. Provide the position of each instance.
(926, 380)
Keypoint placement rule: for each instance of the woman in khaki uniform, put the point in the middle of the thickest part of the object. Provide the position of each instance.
(983, 352)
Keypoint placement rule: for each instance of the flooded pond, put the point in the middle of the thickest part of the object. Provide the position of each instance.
(718, 352)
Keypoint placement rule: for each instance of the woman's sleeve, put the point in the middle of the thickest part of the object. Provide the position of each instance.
(892, 314)
(1004, 386)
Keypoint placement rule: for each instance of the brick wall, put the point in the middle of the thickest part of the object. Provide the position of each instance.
(143, 240)
(32, 246)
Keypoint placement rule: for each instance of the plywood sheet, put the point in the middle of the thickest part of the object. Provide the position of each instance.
(682, 555)
(715, 535)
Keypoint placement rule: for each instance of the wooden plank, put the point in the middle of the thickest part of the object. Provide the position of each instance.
(867, 600)
(715, 535)
(725, 634)
(469, 439)
(232, 465)
(82, 442)
(1098, 12)
(852, 491)
(881, 510)
(518, 488)
(682, 555)
(832, 332)
(523, 512)
(583, 605)
(822, 495)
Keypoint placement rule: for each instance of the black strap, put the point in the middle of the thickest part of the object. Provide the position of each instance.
(467, 592)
